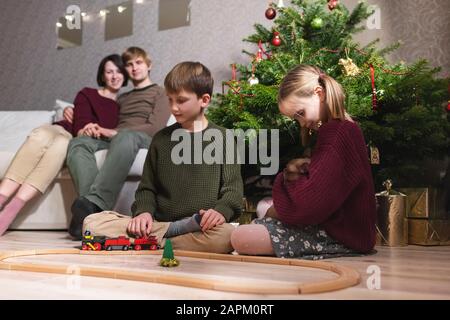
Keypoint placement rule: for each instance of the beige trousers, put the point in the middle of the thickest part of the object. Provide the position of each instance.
(113, 224)
(41, 157)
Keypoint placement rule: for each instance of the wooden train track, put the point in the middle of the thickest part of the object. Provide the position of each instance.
(347, 277)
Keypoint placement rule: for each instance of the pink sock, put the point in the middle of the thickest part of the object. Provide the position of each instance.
(3, 200)
(263, 206)
(9, 213)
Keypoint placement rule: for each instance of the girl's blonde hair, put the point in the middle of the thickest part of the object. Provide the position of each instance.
(301, 82)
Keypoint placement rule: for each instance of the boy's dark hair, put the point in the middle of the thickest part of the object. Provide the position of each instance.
(190, 76)
(117, 60)
(134, 52)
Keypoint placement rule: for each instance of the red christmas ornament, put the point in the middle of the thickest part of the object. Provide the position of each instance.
(276, 41)
(271, 13)
(332, 4)
(259, 56)
(233, 72)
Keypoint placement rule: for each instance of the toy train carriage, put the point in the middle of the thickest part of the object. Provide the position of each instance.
(92, 243)
(120, 243)
(150, 243)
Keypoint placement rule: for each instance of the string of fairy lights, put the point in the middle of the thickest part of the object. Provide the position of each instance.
(86, 16)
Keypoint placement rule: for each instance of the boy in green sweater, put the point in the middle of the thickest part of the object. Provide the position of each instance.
(184, 194)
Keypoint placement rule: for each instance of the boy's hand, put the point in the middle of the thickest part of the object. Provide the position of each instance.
(210, 219)
(107, 133)
(141, 225)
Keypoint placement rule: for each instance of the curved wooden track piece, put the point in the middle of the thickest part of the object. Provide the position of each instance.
(347, 277)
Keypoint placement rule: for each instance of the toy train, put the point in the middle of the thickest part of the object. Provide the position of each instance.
(95, 243)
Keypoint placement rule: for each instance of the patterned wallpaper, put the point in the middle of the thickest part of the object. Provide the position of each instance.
(424, 28)
(34, 73)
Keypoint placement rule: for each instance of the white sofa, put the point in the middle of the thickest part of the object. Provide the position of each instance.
(52, 210)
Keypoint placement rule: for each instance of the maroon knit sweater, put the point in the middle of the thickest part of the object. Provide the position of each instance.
(91, 107)
(337, 193)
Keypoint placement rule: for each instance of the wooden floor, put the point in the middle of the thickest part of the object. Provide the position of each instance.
(410, 272)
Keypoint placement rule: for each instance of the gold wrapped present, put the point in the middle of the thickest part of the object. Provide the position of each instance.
(392, 225)
(427, 203)
(249, 205)
(248, 211)
(429, 232)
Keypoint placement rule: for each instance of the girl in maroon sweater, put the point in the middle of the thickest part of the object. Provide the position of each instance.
(323, 206)
(42, 155)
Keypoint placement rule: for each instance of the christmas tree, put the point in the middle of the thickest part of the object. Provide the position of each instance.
(399, 107)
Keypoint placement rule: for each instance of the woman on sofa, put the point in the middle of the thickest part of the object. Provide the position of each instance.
(42, 155)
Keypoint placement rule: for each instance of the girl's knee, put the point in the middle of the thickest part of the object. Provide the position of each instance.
(239, 239)
(252, 239)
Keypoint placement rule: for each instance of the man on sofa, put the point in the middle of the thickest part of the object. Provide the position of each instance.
(143, 112)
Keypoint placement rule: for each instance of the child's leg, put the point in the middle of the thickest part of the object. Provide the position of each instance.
(107, 223)
(183, 226)
(306, 242)
(252, 239)
(112, 225)
(216, 240)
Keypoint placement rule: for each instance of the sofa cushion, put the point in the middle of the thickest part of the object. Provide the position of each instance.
(15, 126)
(5, 159)
(60, 105)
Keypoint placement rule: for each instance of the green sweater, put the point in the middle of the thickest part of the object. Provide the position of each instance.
(171, 192)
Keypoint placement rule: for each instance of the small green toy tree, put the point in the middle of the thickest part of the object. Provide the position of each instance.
(168, 259)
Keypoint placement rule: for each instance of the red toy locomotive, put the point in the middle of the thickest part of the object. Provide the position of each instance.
(91, 243)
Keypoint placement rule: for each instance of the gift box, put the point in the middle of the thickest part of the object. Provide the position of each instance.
(392, 224)
(427, 203)
(248, 211)
(429, 232)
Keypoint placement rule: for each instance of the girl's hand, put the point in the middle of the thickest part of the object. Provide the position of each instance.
(68, 114)
(91, 130)
(296, 168)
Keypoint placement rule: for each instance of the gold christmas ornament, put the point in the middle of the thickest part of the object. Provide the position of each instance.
(350, 68)
(374, 155)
